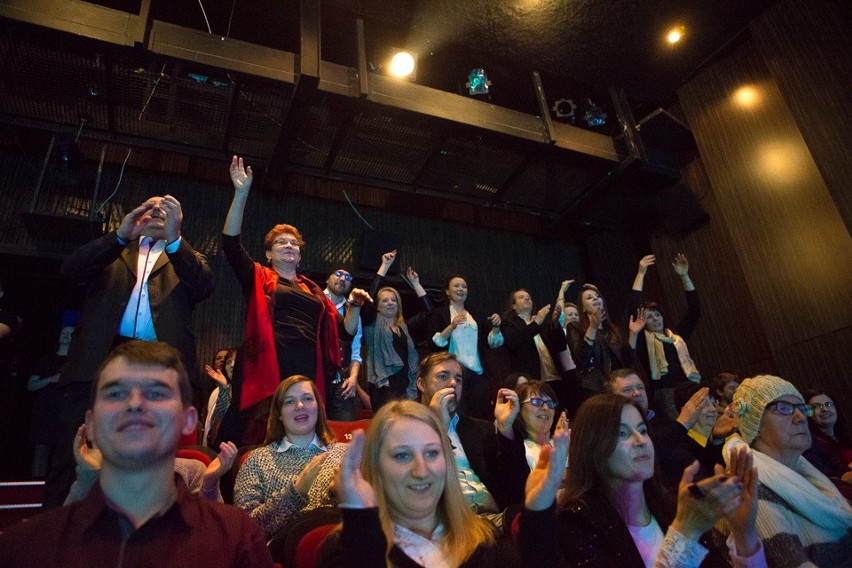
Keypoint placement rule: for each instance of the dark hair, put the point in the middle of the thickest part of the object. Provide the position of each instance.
(841, 431)
(529, 390)
(653, 307)
(594, 435)
(281, 229)
(450, 279)
(717, 383)
(432, 360)
(609, 332)
(155, 354)
(275, 428)
(511, 381)
(613, 376)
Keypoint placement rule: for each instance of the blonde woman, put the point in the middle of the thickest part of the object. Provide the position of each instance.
(402, 503)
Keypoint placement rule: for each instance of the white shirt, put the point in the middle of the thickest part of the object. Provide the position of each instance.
(286, 444)
(464, 341)
(356, 341)
(137, 321)
(474, 491)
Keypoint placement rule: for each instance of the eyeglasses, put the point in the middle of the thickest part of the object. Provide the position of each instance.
(539, 402)
(344, 275)
(788, 408)
(821, 405)
(281, 242)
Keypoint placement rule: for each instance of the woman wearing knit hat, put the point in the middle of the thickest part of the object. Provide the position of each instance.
(801, 518)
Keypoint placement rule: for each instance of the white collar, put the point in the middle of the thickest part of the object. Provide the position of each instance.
(286, 444)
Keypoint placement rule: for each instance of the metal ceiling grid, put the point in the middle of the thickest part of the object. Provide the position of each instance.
(471, 165)
(317, 134)
(384, 146)
(258, 112)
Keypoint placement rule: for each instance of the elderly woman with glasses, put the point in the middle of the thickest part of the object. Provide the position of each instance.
(801, 517)
(292, 328)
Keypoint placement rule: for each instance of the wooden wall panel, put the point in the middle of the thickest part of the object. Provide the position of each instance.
(807, 46)
(785, 227)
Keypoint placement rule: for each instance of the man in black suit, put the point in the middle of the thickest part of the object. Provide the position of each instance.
(143, 281)
(485, 465)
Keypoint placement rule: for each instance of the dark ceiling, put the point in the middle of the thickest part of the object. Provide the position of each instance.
(147, 73)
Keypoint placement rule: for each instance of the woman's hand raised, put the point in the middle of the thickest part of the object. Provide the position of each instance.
(241, 176)
(544, 481)
(352, 489)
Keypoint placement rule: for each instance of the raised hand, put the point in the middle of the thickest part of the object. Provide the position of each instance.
(440, 404)
(174, 217)
(681, 265)
(412, 275)
(309, 474)
(637, 323)
(495, 320)
(741, 518)
(563, 424)
(544, 481)
(134, 222)
(506, 411)
(459, 319)
(216, 375)
(596, 318)
(357, 297)
(352, 489)
(541, 315)
(645, 262)
(223, 462)
(692, 408)
(84, 456)
(700, 506)
(241, 176)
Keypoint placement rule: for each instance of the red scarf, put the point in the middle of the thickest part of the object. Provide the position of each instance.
(260, 360)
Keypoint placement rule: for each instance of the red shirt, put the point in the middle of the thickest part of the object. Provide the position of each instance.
(89, 533)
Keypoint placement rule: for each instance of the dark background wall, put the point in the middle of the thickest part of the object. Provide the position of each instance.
(772, 265)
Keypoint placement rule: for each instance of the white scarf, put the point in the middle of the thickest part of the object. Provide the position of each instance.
(805, 490)
(657, 356)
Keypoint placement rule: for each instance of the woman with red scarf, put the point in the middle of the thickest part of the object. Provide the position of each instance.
(291, 326)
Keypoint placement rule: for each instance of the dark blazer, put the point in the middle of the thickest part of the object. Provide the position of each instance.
(519, 342)
(501, 467)
(108, 269)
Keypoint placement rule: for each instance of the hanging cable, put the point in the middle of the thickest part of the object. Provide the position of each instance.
(204, 13)
(118, 183)
(346, 195)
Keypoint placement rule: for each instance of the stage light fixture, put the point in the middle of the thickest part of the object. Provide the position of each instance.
(594, 114)
(477, 82)
(675, 35)
(402, 64)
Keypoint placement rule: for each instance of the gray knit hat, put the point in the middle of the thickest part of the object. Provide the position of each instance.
(751, 398)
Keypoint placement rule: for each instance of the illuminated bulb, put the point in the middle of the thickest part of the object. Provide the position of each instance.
(674, 35)
(402, 64)
(746, 96)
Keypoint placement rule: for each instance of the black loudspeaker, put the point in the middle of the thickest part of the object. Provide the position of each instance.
(665, 132)
(678, 210)
(373, 245)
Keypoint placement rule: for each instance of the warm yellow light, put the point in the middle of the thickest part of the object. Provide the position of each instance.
(746, 96)
(402, 64)
(675, 35)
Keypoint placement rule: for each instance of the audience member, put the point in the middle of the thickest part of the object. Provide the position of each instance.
(662, 352)
(200, 480)
(142, 281)
(514, 380)
(614, 511)
(828, 428)
(220, 398)
(47, 404)
(401, 501)
(291, 326)
(723, 386)
(138, 513)
(294, 467)
(453, 328)
(490, 470)
(801, 517)
(343, 387)
(597, 345)
(391, 355)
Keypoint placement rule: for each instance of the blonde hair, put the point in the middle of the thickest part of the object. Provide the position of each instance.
(398, 320)
(464, 532)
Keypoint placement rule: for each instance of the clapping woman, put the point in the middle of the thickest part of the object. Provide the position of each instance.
(402, 503)
(614, 512)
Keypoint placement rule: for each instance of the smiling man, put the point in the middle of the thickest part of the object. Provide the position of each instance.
(140, 513)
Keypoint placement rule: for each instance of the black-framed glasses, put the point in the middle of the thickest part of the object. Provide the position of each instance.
(785, 408)
(345, 275)
(821, 405)
(539, 402)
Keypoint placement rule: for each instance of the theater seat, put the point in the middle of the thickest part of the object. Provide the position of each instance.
(343, 430)
(297, 543)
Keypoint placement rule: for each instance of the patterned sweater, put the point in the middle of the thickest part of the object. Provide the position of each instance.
(265, 483)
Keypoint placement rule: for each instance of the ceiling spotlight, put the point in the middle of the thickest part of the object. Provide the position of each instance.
(594, 114)
(477, 82)
(675, 35)
(402, 64)
(747, 96)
